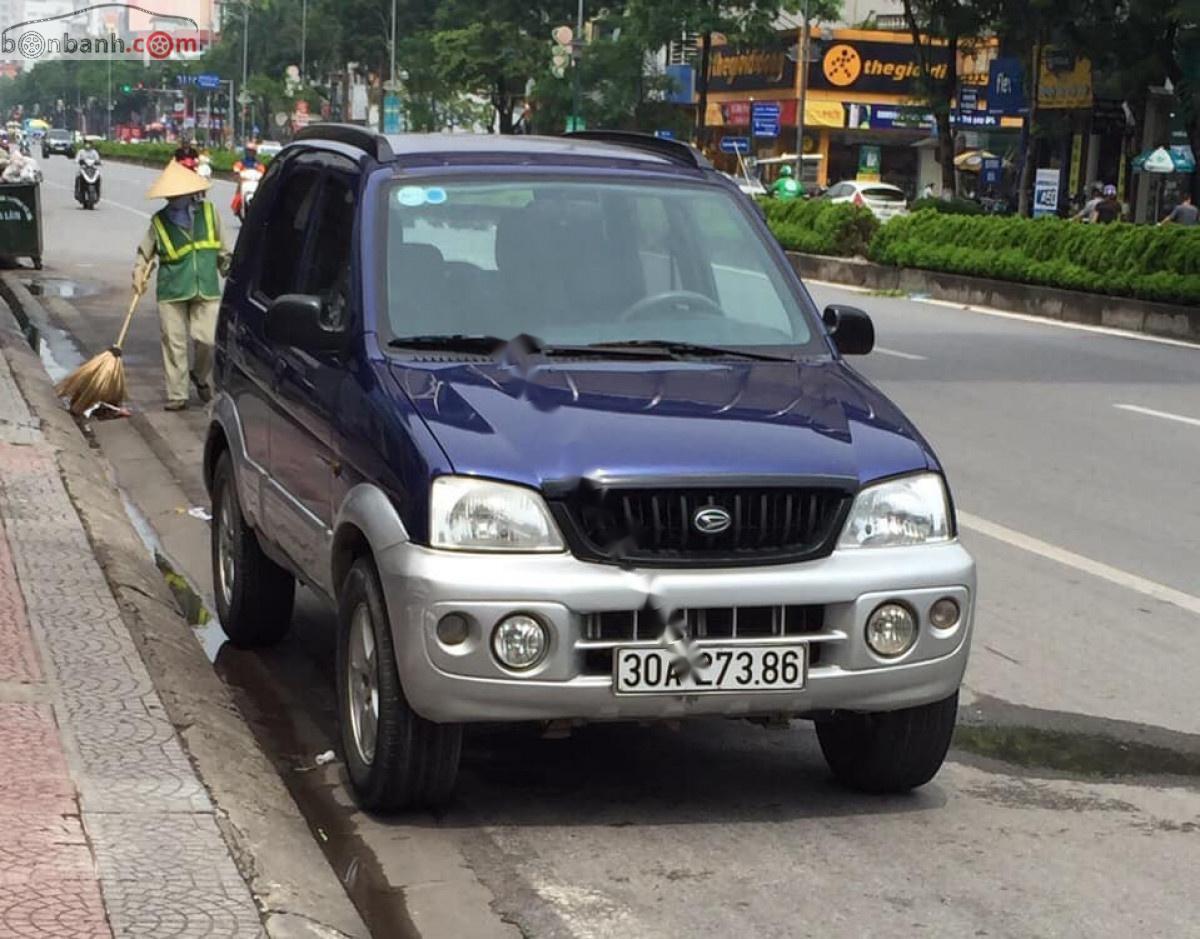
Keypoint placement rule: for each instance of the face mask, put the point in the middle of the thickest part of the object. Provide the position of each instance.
(179, 203)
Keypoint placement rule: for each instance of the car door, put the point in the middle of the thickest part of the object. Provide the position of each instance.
(264, 265)
(307, 385)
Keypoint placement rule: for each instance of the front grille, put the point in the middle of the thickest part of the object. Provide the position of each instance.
(602, 632)
(739, 622)
(658, 526)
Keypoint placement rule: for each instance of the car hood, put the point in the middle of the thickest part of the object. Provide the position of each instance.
(561, 422)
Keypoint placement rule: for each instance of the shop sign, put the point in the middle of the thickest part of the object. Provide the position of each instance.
(764, 119)
(683, 84)
(737, 113)
(736, 70)
(735, 144)
(890, 67)
(1006, 87)
(990, 171)
(869, 163)
(1045, 192)
(1065, 80)
(898, 117)
(823, 114)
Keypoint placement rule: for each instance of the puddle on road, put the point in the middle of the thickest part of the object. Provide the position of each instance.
(1078, 754)
(61, 287)
(204, 624)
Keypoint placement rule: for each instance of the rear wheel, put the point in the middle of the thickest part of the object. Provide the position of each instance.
(254, 594)
(889, 751)
(395, 758)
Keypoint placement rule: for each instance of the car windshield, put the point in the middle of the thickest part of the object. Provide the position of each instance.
(883, 194)
(581, 263)
(59, 135)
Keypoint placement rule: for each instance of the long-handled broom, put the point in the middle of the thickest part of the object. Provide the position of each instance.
(101, 379)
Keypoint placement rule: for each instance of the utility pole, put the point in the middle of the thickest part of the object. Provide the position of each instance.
(304, 42)
(577, 57)
(245, 61)
(803, 98)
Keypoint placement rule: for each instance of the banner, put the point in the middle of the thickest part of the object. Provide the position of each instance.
(1006, 87)
(1045, 192)
(869, 163)
(892, 67)
(733, 70)
(1064, 80)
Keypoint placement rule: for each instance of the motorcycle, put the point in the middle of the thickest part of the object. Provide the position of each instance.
(204, 167)
(248, 186)
(87, 184)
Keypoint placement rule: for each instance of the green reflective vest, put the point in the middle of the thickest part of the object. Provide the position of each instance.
(187, 263)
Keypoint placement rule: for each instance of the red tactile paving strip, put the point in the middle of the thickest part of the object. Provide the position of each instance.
(18, 660)
(48, 880)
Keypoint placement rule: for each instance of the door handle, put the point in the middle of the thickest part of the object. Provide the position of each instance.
(335, 466)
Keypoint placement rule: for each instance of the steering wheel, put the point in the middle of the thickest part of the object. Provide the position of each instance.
(652, 307)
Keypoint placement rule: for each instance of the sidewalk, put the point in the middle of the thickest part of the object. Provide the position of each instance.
(105, 830)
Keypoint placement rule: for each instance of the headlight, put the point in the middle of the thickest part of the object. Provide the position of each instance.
(906, 511)
(479, 515)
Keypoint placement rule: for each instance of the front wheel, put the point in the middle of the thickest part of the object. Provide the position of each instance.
(395, 758)
(889, 751)
(254, 594)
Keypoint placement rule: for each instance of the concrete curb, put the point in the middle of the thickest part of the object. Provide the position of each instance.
(269, 839)
(1073, 306)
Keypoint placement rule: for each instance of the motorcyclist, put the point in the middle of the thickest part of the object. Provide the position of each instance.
(248, 162)
(89, 154)
(787, 187)
(187, 154)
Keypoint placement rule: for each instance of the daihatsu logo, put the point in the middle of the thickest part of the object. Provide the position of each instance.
(711, 520)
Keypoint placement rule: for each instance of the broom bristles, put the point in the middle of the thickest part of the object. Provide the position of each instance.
(101, 379)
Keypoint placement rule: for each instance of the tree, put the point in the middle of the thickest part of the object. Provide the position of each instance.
(659, 22)
(948, 25)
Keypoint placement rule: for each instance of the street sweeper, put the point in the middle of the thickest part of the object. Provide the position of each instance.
(187, 244)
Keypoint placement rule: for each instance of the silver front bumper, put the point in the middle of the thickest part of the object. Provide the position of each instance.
(465, 683)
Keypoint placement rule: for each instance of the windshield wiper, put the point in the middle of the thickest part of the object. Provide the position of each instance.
(456, 342)
(679, 348)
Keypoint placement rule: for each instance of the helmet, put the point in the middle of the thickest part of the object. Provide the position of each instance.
(1110, 190)
(785, 170)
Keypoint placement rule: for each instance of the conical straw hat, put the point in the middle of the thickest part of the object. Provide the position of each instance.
(177, 180)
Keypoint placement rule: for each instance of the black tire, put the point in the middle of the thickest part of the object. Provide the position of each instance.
(889, 751)
(256, 610)
(414, 763)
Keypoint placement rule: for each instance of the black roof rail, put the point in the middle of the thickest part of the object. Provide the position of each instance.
(674, 150)
(352, 135)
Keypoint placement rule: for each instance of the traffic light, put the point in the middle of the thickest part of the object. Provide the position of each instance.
(127, 88)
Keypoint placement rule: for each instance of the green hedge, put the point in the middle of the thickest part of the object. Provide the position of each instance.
(1142, 261)
(159, 154)
(818, 226)
(955, 206)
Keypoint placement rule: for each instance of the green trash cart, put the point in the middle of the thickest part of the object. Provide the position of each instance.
(21, 221)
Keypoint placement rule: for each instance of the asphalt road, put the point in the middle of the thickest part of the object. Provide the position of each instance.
(1070, 805)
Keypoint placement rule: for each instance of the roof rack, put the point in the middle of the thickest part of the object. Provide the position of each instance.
(352, 135)
(674, 150)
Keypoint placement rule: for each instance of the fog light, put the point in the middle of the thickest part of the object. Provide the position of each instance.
(891, 630)
(520, 642)
(453, 629)
(944, 614)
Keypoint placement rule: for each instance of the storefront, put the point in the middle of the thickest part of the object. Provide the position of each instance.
(862, 85)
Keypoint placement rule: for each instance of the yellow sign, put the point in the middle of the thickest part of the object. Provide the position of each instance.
(1064, 81)
(842, 65)
(824, 114)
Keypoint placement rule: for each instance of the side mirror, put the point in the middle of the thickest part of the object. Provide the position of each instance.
(295, 319)
(851, 329)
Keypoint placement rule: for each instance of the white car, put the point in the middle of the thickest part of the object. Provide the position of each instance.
(885, 201)
(747, 184)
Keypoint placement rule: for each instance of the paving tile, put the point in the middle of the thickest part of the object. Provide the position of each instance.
(18, 658)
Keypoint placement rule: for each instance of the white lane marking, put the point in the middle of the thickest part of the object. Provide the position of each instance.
(1022, 317)
(1165, 415)
(1113, 575)
(104, 201)
(900, 355)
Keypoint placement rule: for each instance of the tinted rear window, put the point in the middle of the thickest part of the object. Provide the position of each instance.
(881, 194)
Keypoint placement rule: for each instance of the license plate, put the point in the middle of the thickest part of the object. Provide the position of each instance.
(726, 669)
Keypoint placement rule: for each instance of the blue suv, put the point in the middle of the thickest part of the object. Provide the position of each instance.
(557, 429)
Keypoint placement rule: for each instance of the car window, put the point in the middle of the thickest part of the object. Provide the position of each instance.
(283, 238)
(327, 274)
(883, 194)
(584, 261)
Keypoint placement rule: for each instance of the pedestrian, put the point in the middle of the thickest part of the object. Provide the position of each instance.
(1085, 213)
(786, 187)
(929, 192)
(187, 154)
(1183, 214)
(1108, 209)
(187, 244)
